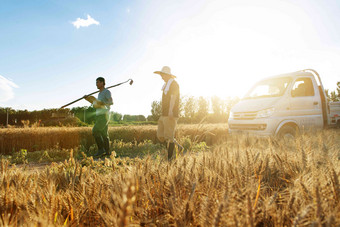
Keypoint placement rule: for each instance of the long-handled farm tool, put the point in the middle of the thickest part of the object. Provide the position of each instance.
(129, 80)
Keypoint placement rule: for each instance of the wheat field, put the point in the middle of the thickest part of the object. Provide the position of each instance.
(241, 181)
(35, 139)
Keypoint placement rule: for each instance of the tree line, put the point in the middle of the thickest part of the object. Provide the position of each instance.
(77, 116)
(192, 110)
(199, 109)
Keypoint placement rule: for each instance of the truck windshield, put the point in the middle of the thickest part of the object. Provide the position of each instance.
(269, 88)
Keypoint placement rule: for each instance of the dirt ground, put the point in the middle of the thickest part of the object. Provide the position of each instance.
(30, 167)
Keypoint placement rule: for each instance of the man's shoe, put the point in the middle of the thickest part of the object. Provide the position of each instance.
(108, 153)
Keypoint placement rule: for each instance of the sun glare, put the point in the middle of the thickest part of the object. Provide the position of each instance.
(214, 54)
(223, 49)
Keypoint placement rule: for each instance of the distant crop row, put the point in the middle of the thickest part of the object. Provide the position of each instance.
(37, 139)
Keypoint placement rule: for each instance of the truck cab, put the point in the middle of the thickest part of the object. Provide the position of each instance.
(282, 105)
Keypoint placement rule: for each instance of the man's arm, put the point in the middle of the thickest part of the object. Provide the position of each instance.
(109, 103)
(109, 99)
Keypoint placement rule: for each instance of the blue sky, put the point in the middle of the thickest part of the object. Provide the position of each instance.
(215, 47)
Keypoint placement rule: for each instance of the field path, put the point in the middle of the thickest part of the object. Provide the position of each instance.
(31, 167)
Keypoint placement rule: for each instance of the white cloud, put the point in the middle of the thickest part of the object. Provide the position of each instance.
(6, 89)
(85, 23)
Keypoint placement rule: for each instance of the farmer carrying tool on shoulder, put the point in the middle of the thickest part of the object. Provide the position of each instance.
(102, 106)
(170, 111)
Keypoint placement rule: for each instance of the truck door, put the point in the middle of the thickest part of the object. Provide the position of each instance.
(305, 104)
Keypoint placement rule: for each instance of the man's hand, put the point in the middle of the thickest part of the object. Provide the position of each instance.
(89, 98)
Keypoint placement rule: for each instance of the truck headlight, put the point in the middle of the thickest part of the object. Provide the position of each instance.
(265, 113)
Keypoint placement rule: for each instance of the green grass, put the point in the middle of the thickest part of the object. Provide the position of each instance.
(122, 123)
(118, 148)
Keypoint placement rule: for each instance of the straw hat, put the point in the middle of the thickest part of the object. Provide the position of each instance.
(165, 70)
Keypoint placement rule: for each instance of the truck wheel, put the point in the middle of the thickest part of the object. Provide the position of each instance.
(287, 132)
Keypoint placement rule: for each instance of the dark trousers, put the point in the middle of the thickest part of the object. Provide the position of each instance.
(101, 133)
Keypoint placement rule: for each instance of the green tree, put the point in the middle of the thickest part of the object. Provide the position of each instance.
(203, 108)
(141, 117)
(216, 104)
(116, 116)
(128, 117)
(156, 110)
(220, 109)
(190, 109)
(85, 114)
(150, 118)
(334, 97)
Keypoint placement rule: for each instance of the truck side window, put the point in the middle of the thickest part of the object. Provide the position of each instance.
(303, 87)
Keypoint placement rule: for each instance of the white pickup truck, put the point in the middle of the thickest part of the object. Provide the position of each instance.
(284, 105)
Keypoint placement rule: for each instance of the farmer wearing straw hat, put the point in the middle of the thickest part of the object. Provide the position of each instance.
(170, 110)
(102, 106)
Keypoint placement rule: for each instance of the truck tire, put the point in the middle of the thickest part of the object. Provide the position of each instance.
(287, 132)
